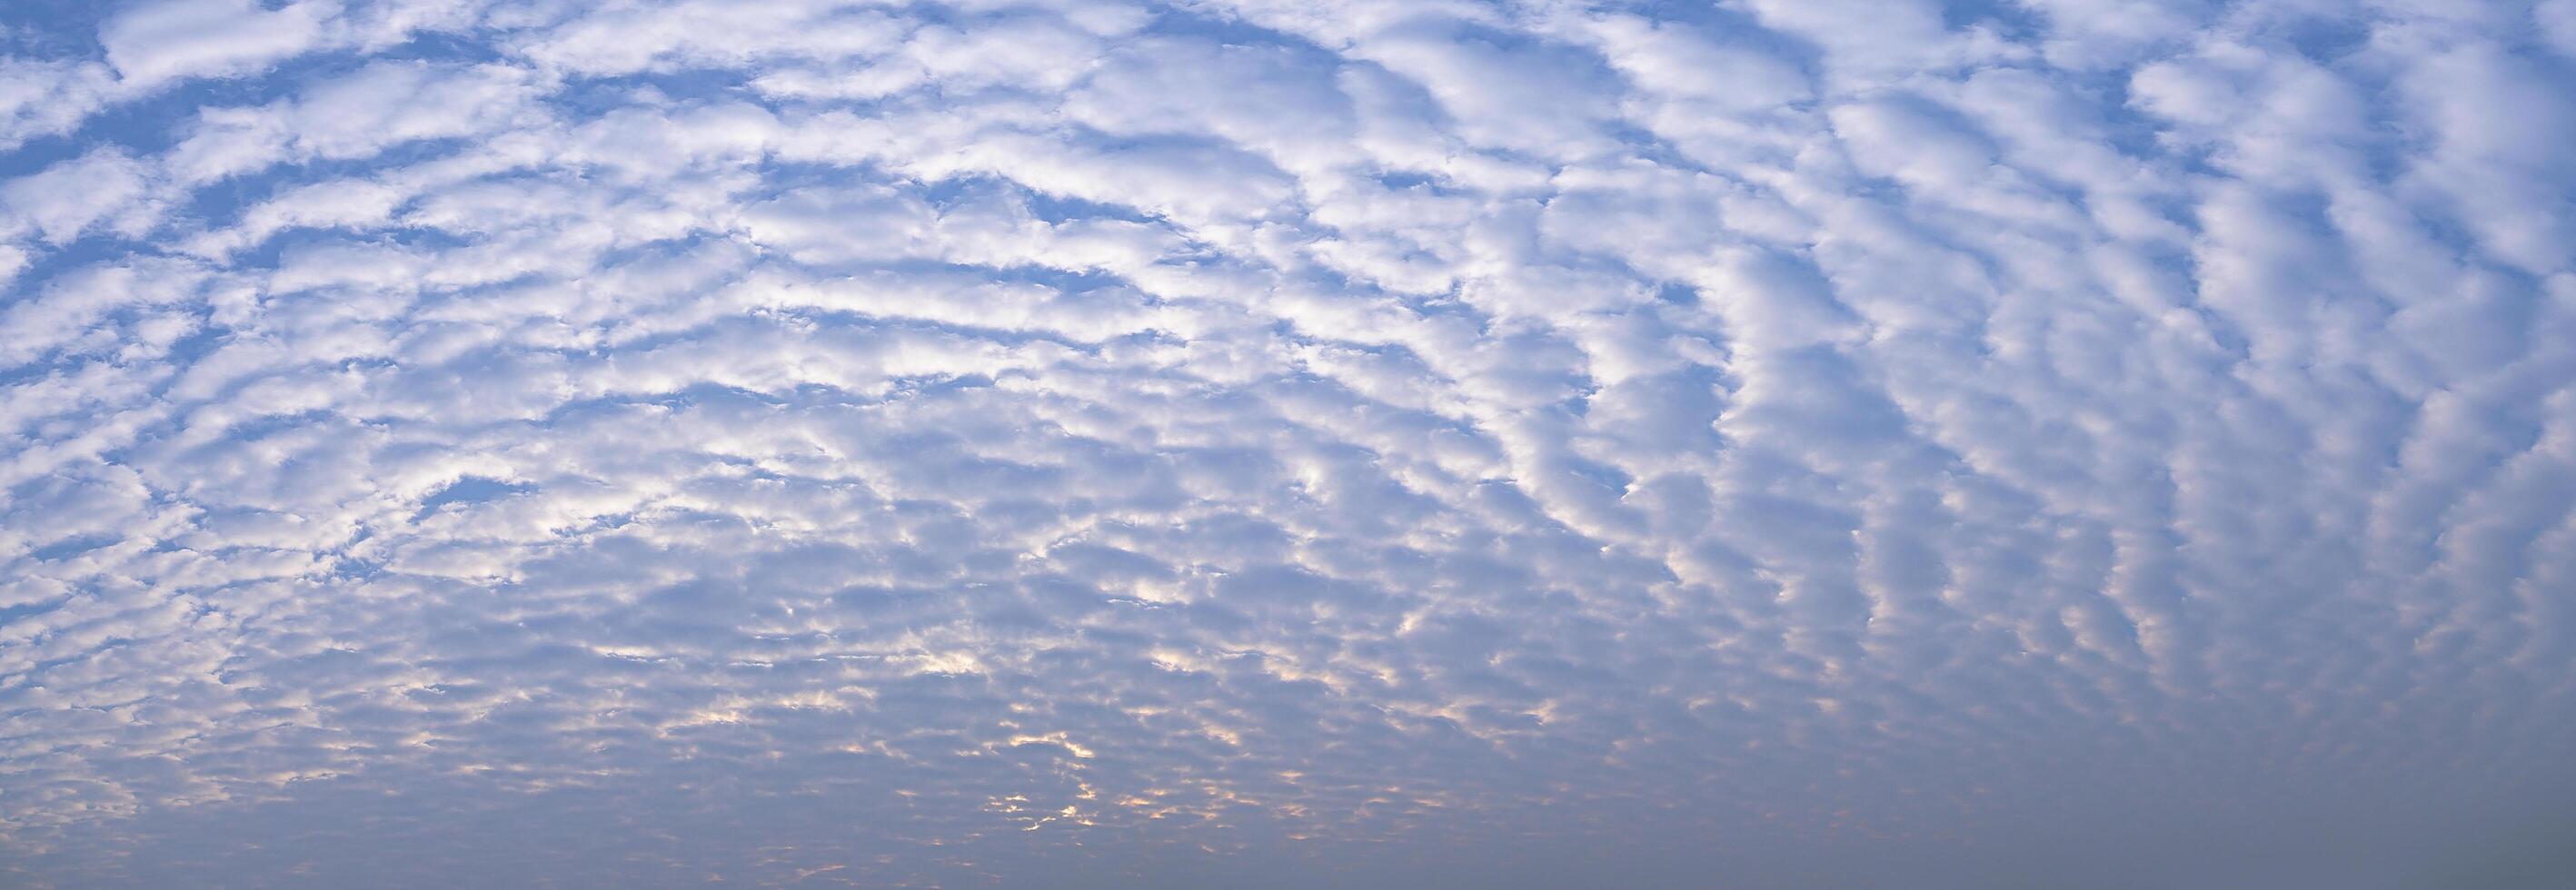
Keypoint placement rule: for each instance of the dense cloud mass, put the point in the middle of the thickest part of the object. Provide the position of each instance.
(1749, 443)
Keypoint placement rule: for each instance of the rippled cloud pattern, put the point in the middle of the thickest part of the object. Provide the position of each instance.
(1384, 443)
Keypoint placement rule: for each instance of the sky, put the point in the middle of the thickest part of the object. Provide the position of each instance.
(2115, 444)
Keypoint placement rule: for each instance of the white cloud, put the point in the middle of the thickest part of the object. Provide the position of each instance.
(1114, 444)
(155, 42)
(104, 188)
(41, 97)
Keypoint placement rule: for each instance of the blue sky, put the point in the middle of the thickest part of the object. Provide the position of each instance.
(1754, 443)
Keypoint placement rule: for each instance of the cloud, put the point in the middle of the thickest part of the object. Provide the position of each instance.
(104, 188)
(44, 97)
(1092, 443)
(157, 42)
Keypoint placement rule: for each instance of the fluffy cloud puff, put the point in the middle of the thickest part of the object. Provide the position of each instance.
(1250, 442)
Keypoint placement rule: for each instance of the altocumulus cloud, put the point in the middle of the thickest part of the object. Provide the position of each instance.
(1750, 443)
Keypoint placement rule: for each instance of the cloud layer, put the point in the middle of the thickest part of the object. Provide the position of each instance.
(1751, 443)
